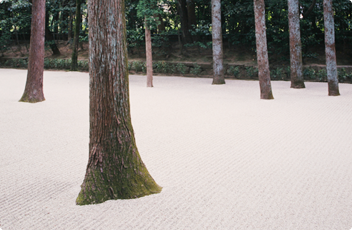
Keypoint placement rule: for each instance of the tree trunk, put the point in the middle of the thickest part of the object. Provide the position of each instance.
(149, 57)
(297, 81)
(69, 27)
(330, 52)
(218, 69)
(115, 169)
(76, 36)
(49, 37)
(182, 10)
(191, 13)
(33, 91)
(161, 26)
(262, 50)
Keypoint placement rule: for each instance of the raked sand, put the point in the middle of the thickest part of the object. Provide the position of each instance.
(225, 158)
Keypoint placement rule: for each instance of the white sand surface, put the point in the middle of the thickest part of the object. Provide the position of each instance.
(225, 158)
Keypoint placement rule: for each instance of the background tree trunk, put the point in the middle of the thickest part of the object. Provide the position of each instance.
(76, 36)
(297, 81)
(33, 91)
(149, 57)
(182, 10)
(115, 169)
(262, 51)
(191, 13)
(49, 37)
(330, 52)
(218, 69)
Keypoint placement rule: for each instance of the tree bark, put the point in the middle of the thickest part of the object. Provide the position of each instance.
(330, 51)
(218, 69)
(76, 36)
(182, 10)
(49, 37)
(191, 13)
(297, 80)
(33, 91)
(262, 50)
(149, 57)
(115, 169)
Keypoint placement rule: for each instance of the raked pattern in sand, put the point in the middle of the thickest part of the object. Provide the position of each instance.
(225, 158)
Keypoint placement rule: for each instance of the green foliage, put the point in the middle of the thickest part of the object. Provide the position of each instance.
(196, 70)
(277, 74)
(321, 75)
(181, 68)
(161, 67)
(343, 76)
(137, 66)
(235, 70)
(251, 72)
(147, 9)
(308, 74)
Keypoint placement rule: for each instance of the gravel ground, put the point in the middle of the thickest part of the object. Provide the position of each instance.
(225, 158)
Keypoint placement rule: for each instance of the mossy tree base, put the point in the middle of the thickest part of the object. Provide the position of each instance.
(114, 178)
(115, 169)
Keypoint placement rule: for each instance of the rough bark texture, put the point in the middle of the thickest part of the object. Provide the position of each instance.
(297, 80)
(218, 67)
(33, 91)
(330, 52)
(115, 169)
(76, 36)
(149, 57)
(182, 10)
(262, 50)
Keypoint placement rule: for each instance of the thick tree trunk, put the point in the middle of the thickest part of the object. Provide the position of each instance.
(218, 69)
(115, 169)
(76, 36)
(262, 50)
(33, 91)
(182, 10)
(330, 52)
(149, 57)
(297, 81)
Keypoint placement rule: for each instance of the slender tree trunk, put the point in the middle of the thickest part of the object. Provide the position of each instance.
(297, 81)
(191, 12)
(76, 36)
(115, 169)
(182, 10)
(69, 27)
(161, 26)
(218, 68)
(149, 57)
(33, 91)
(49, 37)
(262, 51)
(330, 52)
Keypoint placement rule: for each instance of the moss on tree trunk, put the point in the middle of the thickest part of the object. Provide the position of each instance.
(115, 169)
